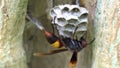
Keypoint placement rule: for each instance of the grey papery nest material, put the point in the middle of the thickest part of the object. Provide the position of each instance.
(69, 20)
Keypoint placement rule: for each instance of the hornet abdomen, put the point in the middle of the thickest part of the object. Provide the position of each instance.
(53, 40)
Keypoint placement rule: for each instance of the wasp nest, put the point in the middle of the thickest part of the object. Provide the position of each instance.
(70, 20)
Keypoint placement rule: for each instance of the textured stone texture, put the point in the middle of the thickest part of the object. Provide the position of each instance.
(107, 33)
(12, 22)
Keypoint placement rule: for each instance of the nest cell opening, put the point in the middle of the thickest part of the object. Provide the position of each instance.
(73, 21)
(75, 11)
(82, 27)
(83, 16)
(61, 21)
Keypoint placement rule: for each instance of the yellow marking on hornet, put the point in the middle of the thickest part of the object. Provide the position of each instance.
(56, 44)
(72, 65)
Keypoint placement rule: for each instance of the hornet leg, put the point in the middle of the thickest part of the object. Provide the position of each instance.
(50, 53)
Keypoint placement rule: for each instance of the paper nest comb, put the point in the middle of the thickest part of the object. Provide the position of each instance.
(69, 19)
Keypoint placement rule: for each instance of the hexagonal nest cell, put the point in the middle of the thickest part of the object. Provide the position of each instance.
(70, 19)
